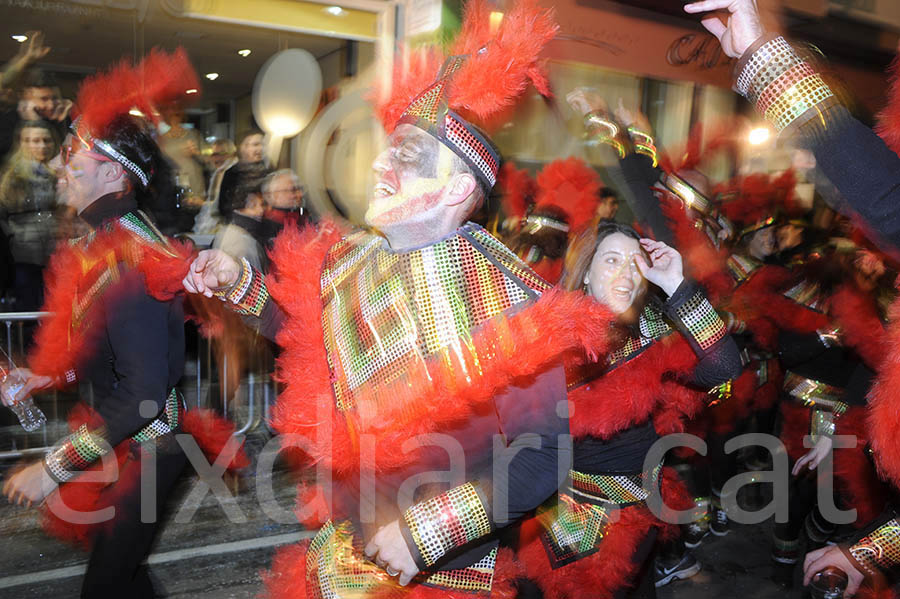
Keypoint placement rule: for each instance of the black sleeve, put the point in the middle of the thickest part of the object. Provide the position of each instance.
(862, 167)
(539, 450)
(694, 317)
(269, 321)
(798, 348)
(640, 176)
(137, 330)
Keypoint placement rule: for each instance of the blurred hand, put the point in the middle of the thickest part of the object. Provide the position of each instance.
(211, 271)
(585, 100)
(814, 456)
(388, 549)
(29, 485)
(742, 28)
(818, 560)
(665, 271)
(32, 384)
(33, 49)
(632, 118)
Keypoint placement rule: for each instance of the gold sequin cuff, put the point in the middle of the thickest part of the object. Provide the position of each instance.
(785, 88)
(697, 319)
(445, 522)
(249, 294)
(75, 453)
(879, 551)
(821, 423)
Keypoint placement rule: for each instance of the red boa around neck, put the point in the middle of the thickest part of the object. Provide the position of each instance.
(74, 268)
(509, 348)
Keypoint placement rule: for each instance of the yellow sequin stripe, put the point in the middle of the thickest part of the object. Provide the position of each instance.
(618, 489)
(880, 550)
(782, 85)
(447, 521)
(249, 295)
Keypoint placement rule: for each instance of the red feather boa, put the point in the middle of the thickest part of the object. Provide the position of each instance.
(861, 327)
(57, 345)
(884, 407)
(509, 348)
(638, 389)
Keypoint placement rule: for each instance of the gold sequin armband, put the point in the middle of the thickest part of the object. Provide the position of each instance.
(643, 144)
(249, 294)
(602, 130)
(821, 424)
(75, 453)
(699, 322)
(880, 550)
(445, 522)
(783, 86)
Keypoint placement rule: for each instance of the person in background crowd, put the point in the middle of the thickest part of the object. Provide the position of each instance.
(31, 51)
(608, 206)
(251, 165)
(221, 157)
(284, 202)
(244, 236)
(27, 206)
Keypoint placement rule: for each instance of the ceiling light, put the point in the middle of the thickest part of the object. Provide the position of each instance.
(245, 52)
(193, 90)
(212, 76)
(20, 38)
(334, 11)
(759, 136)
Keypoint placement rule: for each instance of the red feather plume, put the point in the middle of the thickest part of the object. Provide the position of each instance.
(572, 186)
(518, 190)
(159, 79)
(499, 68)
(759, 196)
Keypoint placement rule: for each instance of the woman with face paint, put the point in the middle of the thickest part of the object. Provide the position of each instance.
(594, 540)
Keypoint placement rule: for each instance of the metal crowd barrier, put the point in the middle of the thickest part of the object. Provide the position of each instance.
(205, 378)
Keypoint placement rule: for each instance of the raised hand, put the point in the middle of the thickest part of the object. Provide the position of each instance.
(665, 270)
(585, 100)
(739, 31)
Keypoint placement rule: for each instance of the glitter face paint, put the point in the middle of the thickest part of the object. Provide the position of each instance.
(614, 278)
(410, 177)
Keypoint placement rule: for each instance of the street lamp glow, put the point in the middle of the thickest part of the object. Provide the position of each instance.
(20, 38)
(193, 90)
(759, 136)
(245, 52)
(212, 76)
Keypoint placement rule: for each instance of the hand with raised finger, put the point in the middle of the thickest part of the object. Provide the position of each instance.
(210, 271)
(742, 27)
(832, 556)
(29, 485)
(388, 549)
(34, 48)
(665, 269)
(632, 118)
(814, 456)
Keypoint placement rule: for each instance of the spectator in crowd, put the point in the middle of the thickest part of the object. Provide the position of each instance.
(221, 157)
(250, 166)
(243, 236)
(30, 52)
(27, 205)
(608, 205)
(284, 203)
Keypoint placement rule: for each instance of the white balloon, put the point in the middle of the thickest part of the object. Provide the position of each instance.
(286, 92)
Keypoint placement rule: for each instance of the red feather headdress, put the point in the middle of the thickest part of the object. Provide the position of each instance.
(571, 186)
(518, 191)
(484, 74)
(106, 99)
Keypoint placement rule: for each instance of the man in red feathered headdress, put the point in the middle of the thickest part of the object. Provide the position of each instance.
(419, 363)
(110, 330)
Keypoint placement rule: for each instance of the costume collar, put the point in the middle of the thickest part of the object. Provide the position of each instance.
(248, 223)
(108, 207)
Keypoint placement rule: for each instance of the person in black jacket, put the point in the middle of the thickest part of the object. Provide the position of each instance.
(109, 332)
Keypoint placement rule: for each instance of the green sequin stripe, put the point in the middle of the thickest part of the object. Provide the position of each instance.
(84, 444)
(158, 427)
(618, 489)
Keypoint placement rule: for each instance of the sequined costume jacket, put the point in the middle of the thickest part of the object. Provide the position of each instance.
(132, 350)
(389, 356)
(680, 350)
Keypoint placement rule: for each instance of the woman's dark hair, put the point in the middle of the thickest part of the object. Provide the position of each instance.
(551, 242)
(582, 249)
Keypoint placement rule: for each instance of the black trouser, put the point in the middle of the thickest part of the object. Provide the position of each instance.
(115, 567)
(644, 586)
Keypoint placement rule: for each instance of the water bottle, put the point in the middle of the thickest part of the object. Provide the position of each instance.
(830, 583)
(30, 416)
